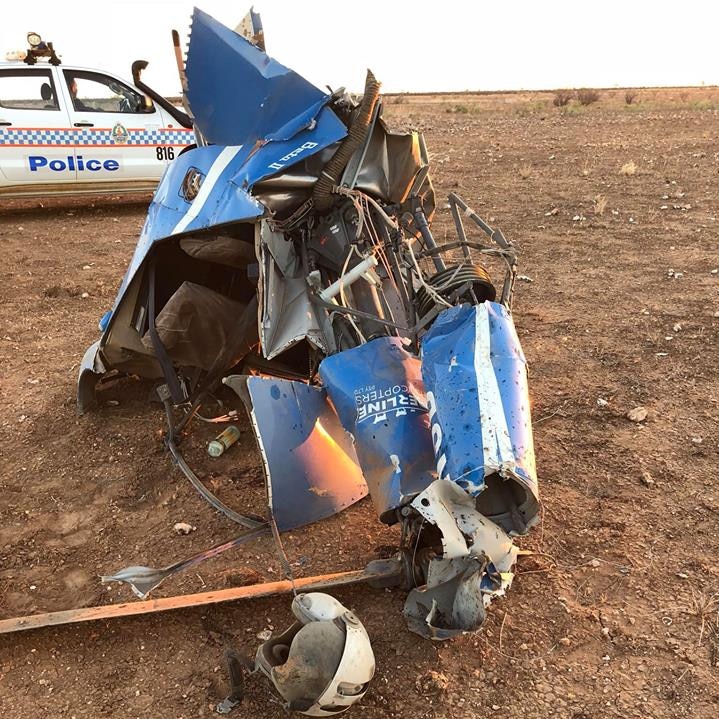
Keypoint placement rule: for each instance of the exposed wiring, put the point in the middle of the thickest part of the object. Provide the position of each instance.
(353, 249)
(430, 290)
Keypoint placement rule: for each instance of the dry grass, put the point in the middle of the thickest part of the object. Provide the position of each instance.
(525, 171)
(706, 608)
(628, 168)
(630, 97)
(600, 204)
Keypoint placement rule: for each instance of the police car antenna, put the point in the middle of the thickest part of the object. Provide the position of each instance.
(40, 48)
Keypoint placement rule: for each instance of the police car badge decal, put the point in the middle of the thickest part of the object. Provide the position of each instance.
(119, 134)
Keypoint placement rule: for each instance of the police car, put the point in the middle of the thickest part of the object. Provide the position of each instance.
(73, 130)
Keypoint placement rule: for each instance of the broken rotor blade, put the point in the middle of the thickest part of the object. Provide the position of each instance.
(143, 580)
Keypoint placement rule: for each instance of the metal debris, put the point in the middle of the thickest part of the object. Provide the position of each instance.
(290, 256)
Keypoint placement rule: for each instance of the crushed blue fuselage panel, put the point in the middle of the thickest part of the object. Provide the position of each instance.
(377, 391)
(240, 95)
(311, 468)
(261, 119)
(475, 375)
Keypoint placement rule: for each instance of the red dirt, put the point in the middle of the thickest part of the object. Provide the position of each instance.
(616, 613)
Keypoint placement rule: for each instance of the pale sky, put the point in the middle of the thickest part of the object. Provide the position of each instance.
(415, 45)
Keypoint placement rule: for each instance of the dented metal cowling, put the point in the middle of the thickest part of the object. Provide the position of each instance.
(476, 379)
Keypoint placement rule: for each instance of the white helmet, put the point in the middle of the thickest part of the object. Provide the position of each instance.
(323, 663)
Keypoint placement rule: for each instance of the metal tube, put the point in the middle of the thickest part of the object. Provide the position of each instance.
(420, 220)
(110, 611)
(348, 278)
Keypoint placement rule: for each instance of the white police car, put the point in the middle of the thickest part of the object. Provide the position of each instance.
(73, 130)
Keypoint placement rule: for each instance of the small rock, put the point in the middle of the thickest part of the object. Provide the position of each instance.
(183, 528)
(524, 278)
(595, 563)
(605, 631)
(264, 635)
(85, 295)
(714, 272)
(638, 414)
(565, 641)
(647, 480)
(87, 267)
(677, 327)
(682, 575)
(602, 402)
(697, 440)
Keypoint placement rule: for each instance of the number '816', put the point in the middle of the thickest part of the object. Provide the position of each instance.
(165, 153)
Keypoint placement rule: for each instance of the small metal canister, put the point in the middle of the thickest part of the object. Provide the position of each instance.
(223, 441)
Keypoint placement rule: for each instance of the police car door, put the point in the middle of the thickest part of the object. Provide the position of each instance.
(36, 145)
(117, 129)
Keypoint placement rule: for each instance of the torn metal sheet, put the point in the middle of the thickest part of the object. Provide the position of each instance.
(476, 378)
(311, 468)
(287, 313)
(475, 565)
(377, 391)
(250, 27)
(91, 369)
(240, 95)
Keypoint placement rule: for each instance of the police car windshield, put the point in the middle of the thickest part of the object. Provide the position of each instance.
(94, 92)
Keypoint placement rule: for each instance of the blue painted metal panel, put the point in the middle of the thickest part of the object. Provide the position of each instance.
(238, 94)
(311, 467)
(263, 118)
(476, 379)
(377, 391)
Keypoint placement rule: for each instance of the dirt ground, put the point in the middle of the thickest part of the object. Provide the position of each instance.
(616, 613)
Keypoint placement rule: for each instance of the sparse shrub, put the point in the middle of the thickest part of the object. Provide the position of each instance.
(630, 97)
(587, 96)
(463, 109)
(628, 168)
(525, 171)
(562, 98)
(399, 100)
(600, 204)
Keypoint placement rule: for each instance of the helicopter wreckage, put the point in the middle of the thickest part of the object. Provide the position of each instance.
(290, 257)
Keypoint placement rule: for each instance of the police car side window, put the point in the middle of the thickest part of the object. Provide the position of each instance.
(94, 92)
(27, 90)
